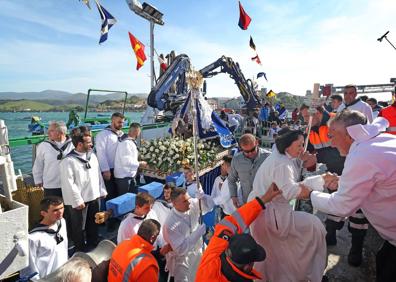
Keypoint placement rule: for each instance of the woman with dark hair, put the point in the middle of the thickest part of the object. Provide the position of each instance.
(294, 241)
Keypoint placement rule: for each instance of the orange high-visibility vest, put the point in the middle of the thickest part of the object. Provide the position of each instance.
(320, 139)
(390, 114)
(209, 269)
(132, 261)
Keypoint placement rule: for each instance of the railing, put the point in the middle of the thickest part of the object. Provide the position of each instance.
(37, 139)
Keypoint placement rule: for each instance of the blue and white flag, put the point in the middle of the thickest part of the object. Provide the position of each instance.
(260, 74)
(107, 22)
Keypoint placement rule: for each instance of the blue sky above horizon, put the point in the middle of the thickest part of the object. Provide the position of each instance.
(50, 44)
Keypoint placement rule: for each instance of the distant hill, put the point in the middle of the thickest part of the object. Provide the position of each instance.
(24, 105)
(55, 97)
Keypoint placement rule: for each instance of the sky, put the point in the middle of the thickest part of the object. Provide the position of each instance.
(49, 44)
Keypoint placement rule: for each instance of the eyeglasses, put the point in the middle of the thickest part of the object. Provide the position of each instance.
(249, 151)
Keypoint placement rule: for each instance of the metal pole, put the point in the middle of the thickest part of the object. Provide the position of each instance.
(390, 43)
(152, 53)
(194, 94)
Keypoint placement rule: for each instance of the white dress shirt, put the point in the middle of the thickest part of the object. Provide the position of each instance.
(368, 181)
(106, 144)
(126, 161)
(45, 255)
(130, 225)
(46, 168)
(80, 184)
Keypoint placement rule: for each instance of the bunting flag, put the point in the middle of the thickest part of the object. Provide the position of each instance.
(138, 48)
(244, 19)
(271, 94)
(251, 44)
(107, 22)
(260, 74)
(162, 62)
(86, 2)
(257, 59)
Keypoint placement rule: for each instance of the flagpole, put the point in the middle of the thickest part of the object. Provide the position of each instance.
(152, 53)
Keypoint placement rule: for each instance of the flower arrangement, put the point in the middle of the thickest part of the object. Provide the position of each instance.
(168, 155)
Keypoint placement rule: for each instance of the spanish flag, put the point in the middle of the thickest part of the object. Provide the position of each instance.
(271, 94)
(138, 48)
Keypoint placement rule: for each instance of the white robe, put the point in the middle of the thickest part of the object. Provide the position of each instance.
(181, 231)
(368, 180)
(294, 241)
(130, 225)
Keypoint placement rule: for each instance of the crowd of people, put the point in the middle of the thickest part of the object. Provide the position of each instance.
(257, 236)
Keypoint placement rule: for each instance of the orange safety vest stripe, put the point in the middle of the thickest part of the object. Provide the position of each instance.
(321, 139)
(130, 259)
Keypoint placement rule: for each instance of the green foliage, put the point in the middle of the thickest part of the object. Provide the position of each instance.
(24, 105)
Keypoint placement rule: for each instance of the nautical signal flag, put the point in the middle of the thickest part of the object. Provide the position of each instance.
(138, 48)
(107, 22)
(251, 44)
(257, 59)
(86, 2)
(262, 74)
(244, 19)
(271, 94)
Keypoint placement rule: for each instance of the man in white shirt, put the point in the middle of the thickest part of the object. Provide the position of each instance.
(106, 143)
(368, 181)
(48, 246)
(48, 156)
(131, 223)
(183, 232)
(82, 186)
(220, 191)
(163, 206)
(336, 102)
(126, 162)
(351, 103)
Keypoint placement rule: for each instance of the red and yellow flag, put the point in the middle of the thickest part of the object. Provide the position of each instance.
(138, 48)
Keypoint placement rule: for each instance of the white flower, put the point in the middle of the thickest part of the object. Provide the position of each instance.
(151, 149)
(156, 150)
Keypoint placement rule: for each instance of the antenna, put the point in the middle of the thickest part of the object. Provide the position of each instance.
(386, 38)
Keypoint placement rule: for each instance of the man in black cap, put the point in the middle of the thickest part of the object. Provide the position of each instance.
(231, 253)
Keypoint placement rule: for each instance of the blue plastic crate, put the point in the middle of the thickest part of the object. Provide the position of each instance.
(122, 204)
(154, 189)
(177, 178)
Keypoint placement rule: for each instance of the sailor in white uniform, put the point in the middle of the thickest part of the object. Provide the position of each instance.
(82, 186)
(130, 224)
(351, 103)
(126, 163)
(183, 232)
(106, 143)
(48, 156)
(48, 245)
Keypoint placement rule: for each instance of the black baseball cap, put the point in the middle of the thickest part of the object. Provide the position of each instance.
(245, 250)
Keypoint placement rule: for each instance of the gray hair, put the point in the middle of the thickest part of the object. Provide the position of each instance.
(75, 270)
(349, 117)
(60, 126)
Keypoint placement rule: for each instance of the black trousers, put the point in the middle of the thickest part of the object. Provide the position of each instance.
(53, 192)
(126, 185)
(90, 228)
(111, 186)
(386, 263)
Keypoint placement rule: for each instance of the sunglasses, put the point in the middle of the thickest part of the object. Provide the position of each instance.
(250, 151)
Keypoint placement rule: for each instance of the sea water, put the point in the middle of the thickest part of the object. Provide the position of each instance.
(17, 124)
